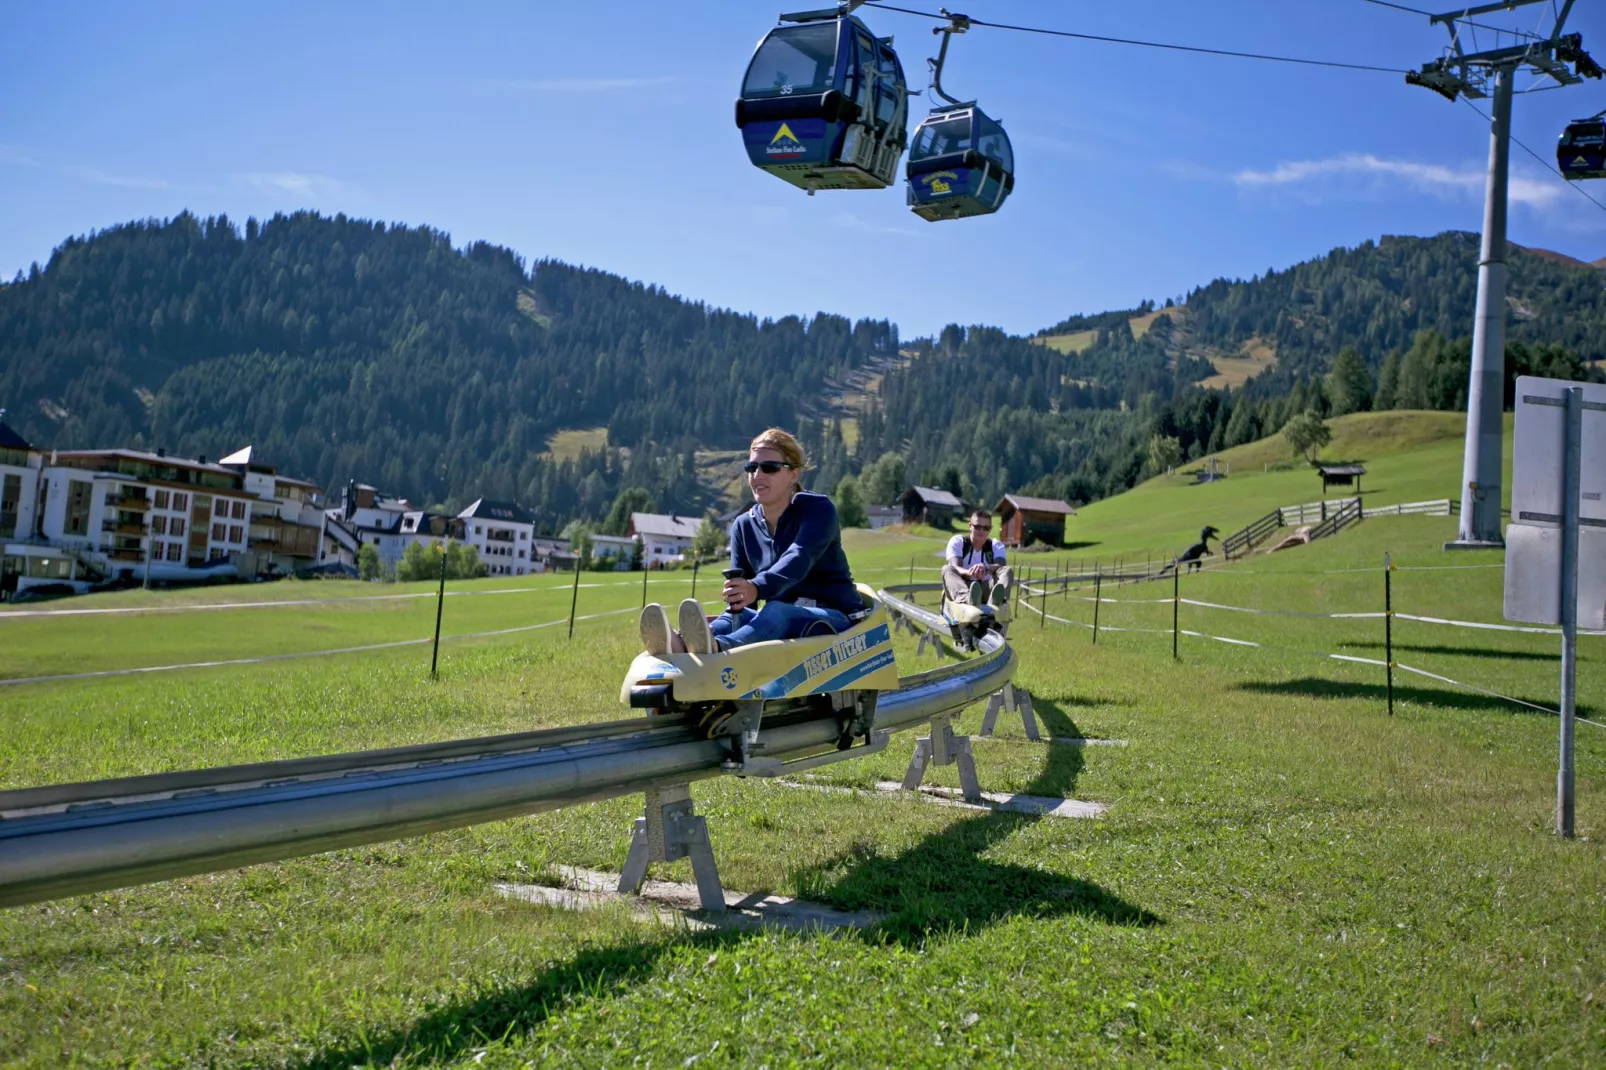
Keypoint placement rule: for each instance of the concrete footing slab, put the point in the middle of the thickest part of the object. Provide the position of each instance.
(672, 903)
(1004, 802)
(1059, 741)
(1041, 805)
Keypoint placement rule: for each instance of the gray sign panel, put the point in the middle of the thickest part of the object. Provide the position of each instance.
(1537, 451)
(1533, 539)
(1533, 575)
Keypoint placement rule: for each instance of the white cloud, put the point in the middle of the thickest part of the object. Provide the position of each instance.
(850, 221)
(1425, 177)
(101, 178)
(575, 85)
(313, 186)
(16, 154)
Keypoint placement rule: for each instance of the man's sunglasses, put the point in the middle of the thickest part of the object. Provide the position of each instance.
(769, 468)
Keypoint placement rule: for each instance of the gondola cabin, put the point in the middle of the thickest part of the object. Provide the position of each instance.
(1581, 151)
(960, 164)
(824, 105)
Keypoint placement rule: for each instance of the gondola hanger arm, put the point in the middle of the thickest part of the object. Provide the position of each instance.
(956, 24)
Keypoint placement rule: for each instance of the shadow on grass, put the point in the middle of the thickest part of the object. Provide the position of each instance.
(1450, 698)
(941, 884)
(945, 882)
(1457, 651)
(445, 1033)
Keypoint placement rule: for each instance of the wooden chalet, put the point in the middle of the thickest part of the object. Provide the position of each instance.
(928, 505)
(1025, 520)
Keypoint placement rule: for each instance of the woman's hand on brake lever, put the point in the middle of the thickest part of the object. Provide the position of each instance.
(739, 593)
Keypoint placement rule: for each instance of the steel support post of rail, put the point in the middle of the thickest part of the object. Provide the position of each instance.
(440, 600)
(1016, 700)
(942, 747)
(1098, 583)
(574, 596)
(669, 831)
(1480, 466)
(1388, 628)
(1571, 480)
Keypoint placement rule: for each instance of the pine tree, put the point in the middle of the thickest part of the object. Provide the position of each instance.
(850, 504)
(1348, 385)
(1387, 382)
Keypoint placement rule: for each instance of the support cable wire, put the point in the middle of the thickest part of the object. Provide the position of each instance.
(1197, 49)
(1464, 22)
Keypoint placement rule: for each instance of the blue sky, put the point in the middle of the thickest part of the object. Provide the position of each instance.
(602, 134)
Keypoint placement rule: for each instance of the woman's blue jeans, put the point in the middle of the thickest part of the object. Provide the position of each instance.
(776, 620)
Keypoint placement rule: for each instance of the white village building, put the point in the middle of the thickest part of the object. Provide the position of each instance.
(502, 533)
(664, 539)
(78, 517)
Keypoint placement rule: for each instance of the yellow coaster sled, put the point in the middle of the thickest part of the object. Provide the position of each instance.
(968, 623)
(795, 679)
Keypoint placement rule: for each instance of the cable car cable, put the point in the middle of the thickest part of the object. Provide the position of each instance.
(1464, 22)
(1547, 164)
(1149, 44)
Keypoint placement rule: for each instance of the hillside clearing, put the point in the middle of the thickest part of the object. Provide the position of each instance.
(568, 444)
(1254, 357)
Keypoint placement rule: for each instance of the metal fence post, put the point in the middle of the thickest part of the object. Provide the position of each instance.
(1098, 580)
(440, 599)
(1388, 627)
(1571, 484)
(644, 585)
(574, 598)
(695, 561)
(1042, 617)
(1176, 606)
(911, 568)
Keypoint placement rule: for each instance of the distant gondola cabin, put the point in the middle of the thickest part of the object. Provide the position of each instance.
(960, 164)
(1581, 150)
(1024, 520)
(824, 105)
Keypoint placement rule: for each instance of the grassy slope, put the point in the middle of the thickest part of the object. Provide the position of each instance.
(1287, 875)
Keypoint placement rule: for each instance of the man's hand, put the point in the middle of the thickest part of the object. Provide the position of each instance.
(739, 593)
(977, 571)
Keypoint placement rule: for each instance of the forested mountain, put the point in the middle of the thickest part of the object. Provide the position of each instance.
(987, 413)
(345, 349)
(349, 349)
(1377, 296)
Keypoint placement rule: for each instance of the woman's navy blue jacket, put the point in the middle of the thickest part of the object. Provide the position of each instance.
(802, 558)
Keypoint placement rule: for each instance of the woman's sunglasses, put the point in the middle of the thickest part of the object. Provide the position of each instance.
(769, 468)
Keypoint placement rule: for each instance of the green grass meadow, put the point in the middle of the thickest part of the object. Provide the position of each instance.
(1286, 876)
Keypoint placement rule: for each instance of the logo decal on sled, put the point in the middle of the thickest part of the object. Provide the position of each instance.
(727, 677)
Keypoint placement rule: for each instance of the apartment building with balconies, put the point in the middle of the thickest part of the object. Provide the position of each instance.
(502, 532)
(76, 517)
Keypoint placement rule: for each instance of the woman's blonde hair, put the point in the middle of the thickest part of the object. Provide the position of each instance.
(781, 442)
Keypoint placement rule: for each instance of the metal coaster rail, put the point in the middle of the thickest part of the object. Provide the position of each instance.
(77, 838)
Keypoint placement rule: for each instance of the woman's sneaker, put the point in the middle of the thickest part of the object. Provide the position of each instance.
(694, 630)
(655, 634)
